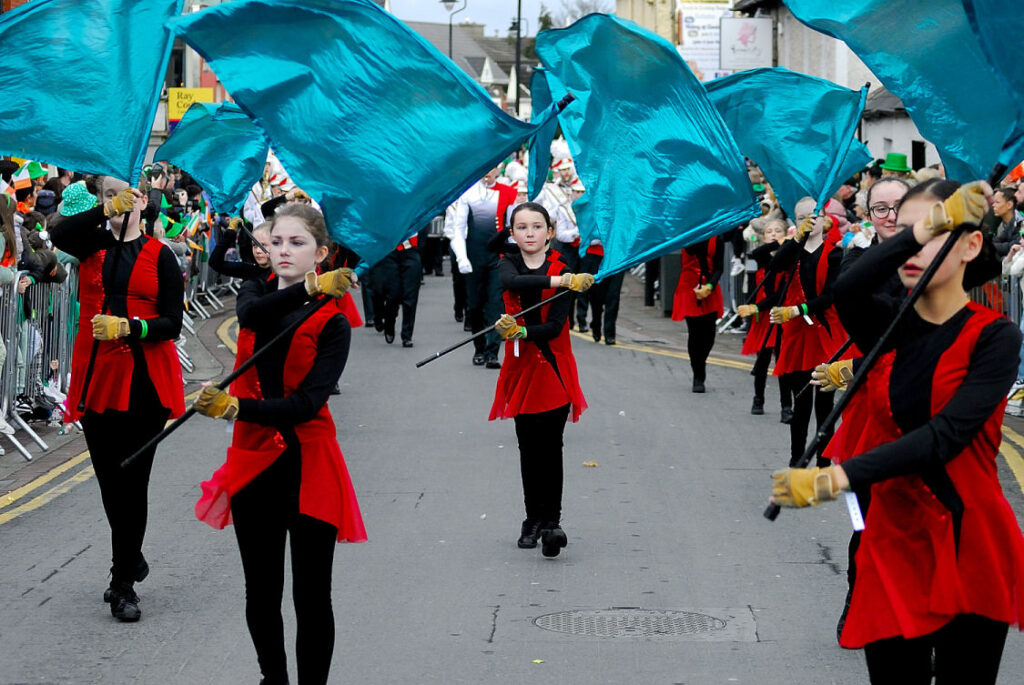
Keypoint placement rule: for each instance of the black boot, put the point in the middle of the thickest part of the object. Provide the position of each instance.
(124, 603)
(552, 539)
(698, 384)
(529, 534)
(757, 408)
(787, 415)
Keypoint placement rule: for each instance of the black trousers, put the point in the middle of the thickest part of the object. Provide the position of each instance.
(540, 461)
(968, 649)
(370, 312)
(432, 251)
(483, 297)
(760, 374)
(571, 259)
(458, 284)
(821, 402)
(700, 338)
(112, 437)
(264, 513)
(397, 280)
(588, 264)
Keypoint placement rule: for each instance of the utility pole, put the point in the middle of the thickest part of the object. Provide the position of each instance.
(519, 51)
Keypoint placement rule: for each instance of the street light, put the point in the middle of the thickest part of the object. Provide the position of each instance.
(448, 5)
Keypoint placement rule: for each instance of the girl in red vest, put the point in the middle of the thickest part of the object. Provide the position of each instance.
(285, 474)
(698, 299)
(940, 567)
(811, 332)
(131, 298)
(538, 385)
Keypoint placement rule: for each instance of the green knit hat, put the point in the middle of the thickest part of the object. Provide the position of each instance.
(77, 199)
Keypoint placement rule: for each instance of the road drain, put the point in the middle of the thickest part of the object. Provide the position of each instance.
(630, 623)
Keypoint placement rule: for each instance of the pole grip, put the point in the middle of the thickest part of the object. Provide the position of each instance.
(771, 512)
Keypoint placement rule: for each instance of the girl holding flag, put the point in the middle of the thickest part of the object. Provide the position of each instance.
(698, 300)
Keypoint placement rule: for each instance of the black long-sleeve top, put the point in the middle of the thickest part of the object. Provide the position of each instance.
(243, 270)
(84, 234)
(700, 251)
(928, 442)
(266, 310)
(529, 283)
(762, 256)
(790, 252)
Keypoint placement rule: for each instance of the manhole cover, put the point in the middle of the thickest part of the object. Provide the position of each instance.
(629, 623)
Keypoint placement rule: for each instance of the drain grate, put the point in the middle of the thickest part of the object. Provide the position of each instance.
(629, 623)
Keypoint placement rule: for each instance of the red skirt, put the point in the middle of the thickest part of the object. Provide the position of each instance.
(805, 346)
(760, 325)
(685, 302)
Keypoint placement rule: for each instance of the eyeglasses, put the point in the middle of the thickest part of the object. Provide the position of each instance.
(882, 211)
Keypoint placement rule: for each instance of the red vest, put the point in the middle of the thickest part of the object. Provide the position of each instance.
(110, 387)
(692, 273)
(912, 576)
(528, 383)
(762, 334)
(325, 492)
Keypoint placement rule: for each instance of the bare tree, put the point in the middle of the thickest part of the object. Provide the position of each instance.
(572, 10)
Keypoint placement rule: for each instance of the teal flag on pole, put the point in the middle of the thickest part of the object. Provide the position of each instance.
(661, 169)
(222, 149)
(799, 129)
(927, 55)
(367, 117)
(81, 80)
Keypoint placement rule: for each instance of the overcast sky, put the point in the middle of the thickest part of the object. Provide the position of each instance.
(496, 14)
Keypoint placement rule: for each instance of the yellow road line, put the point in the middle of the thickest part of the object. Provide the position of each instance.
(54, 492)
(17, 494)
(1012, 456)
(717, 361)
(222, 333)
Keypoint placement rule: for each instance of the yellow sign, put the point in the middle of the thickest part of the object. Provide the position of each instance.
(180, 99)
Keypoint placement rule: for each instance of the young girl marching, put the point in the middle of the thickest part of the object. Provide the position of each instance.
(940, 567)
(698, 300)
(763, 338)
(538, 385)
(285, 474)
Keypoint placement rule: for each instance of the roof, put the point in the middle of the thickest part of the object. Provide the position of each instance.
(882, 103)
(466, 52)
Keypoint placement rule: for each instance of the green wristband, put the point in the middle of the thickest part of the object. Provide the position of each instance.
(803, 308)
(522, 332)
(145, 329)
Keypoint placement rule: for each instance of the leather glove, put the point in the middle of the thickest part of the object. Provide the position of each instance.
(507, 328)
(109, 327)
(702, 291)
(465, 267)
(784, 314)
(235, 222)
(805, 227)
(803, 487)
(122, 203)
(834, 376)
(578, 282)
(745, 310)
(216, 403)
(334, 283)
(966, 206)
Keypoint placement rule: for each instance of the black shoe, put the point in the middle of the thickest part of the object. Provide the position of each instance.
(389, 331)
(336, 390)
(583, 327)
(757, 408)
(124, 603)
(407, 343)
(529, 534)
(493, 363)
(274, 681)
(787, 415)
(698, 385)
(467, 326)
(596, 334)
(479, 360)
(458, 317)
(378, 325)
(552, 540)
(609, 341)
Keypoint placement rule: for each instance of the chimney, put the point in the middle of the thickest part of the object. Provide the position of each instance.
(473, 29)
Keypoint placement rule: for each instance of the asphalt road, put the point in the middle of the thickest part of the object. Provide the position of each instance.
(665, 537)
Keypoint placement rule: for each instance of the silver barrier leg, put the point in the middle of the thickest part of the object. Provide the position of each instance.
(31, 433)
(21, 448)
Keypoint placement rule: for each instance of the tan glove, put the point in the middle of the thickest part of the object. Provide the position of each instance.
(507, 328)
(577, 282)
(745, 310)
(966, 206)
(122, 203)
(783, 314)
(702, 291)
(235, 222)
(216, 403)
(334, 283)
(109, 327)
(805, 227)
(834, 376)
(803, 487)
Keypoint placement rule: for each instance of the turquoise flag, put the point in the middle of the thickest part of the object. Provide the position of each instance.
(797, 128)
(540, 144)
(222, 149)
(660, 167)
(928, 56)
(81, 80)
(367, 117)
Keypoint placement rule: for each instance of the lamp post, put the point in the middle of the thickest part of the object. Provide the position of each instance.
(448, 5)
(519, 49)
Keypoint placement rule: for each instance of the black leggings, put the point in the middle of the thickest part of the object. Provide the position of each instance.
(760, 374)
(265, 511)
(113, 436)
(822, 403)
(540, 461)
(968, 649)
(700, 338)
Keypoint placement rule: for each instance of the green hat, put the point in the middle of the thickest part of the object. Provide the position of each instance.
(895, 161)
(174, 229)
(35, 170)
(76, 199)
(758, 187)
